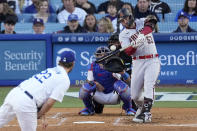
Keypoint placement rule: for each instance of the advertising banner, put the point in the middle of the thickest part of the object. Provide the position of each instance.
(84, 57)
(177, 53)
(22, 56)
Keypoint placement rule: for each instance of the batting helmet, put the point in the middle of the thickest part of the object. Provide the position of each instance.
(125, 13)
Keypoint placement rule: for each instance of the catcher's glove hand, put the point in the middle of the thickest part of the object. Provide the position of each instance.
(114, 64)
(151, 21)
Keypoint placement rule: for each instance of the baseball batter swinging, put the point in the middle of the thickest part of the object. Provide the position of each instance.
(146, 65)
(40, 91)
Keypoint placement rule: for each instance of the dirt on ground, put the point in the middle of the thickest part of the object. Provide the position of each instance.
(114, 119)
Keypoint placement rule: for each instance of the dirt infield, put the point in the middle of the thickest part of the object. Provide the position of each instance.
(113, 119)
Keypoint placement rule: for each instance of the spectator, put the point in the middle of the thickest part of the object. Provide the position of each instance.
(183, 21)
(9, 25)
(87, 6)
(38, 26)
(24, 3)
(102, 9)
(73, 25)
(69, 8)
(33, 8)
(105, 25)
(128, 6)
(190, 9)
(142, 10)
(90, 23)
(43, 12)
(14, 5)
(159, 7)
(6, 11)
(112, 11)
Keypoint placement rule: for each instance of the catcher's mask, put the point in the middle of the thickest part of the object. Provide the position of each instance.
(125, 13)
(114, 40)
(114, 64)
(101, 51)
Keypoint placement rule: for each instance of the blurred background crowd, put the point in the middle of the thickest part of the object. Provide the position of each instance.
(88, 16)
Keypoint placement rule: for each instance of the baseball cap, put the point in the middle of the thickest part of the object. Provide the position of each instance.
(68, 56)
(183, 14)
(72, 17)
(38, 20)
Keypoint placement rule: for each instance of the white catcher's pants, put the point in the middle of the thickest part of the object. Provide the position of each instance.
(106, 99)
(18, 104)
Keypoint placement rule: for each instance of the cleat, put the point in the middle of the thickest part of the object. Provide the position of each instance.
(130, 112)
(143, 118)
(86, 112)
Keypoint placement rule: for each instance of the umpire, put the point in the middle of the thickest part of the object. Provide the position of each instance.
(114, 40)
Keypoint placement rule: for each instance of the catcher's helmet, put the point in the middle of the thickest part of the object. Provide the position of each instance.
(123, 14)
(102, 50)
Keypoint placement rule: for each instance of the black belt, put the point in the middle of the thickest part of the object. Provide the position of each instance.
(28, 94)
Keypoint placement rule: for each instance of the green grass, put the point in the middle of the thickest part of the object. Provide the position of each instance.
(3, 92)
(171, 89)
(171, 104)
(70, 102)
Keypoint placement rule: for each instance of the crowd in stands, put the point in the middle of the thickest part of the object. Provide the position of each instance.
(79, 16)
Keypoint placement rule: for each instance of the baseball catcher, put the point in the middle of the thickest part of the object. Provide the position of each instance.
(105, 87)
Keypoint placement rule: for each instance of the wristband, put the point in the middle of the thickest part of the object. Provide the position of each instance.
(125, 76)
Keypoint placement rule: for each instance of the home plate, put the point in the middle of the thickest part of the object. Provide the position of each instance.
(88, 122)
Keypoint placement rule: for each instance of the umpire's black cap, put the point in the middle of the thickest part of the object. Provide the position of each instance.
(113, 38)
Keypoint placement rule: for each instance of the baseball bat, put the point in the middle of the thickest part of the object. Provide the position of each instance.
(112, 53)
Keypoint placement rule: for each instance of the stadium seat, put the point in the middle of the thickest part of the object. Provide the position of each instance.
(56, 4)
(99, 16)
(170, 17)
(133, 2)
(169, 27)
(176, 7)
(97, 2)
(26, 28)
(25, 18)
(174, 1)
(23, 28)
(53, 27)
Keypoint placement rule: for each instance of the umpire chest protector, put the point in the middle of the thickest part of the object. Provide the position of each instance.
(105, 78)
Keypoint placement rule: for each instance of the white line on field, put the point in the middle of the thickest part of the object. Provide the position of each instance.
(56, 115)
(62, 120)
(117, 121)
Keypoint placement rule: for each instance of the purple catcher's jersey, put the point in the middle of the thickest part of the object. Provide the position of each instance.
(105, 78)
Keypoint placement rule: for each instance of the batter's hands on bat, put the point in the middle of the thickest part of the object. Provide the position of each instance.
(137, 40)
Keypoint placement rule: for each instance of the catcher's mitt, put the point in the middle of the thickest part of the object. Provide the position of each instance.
(114, 64)
(151, 21)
